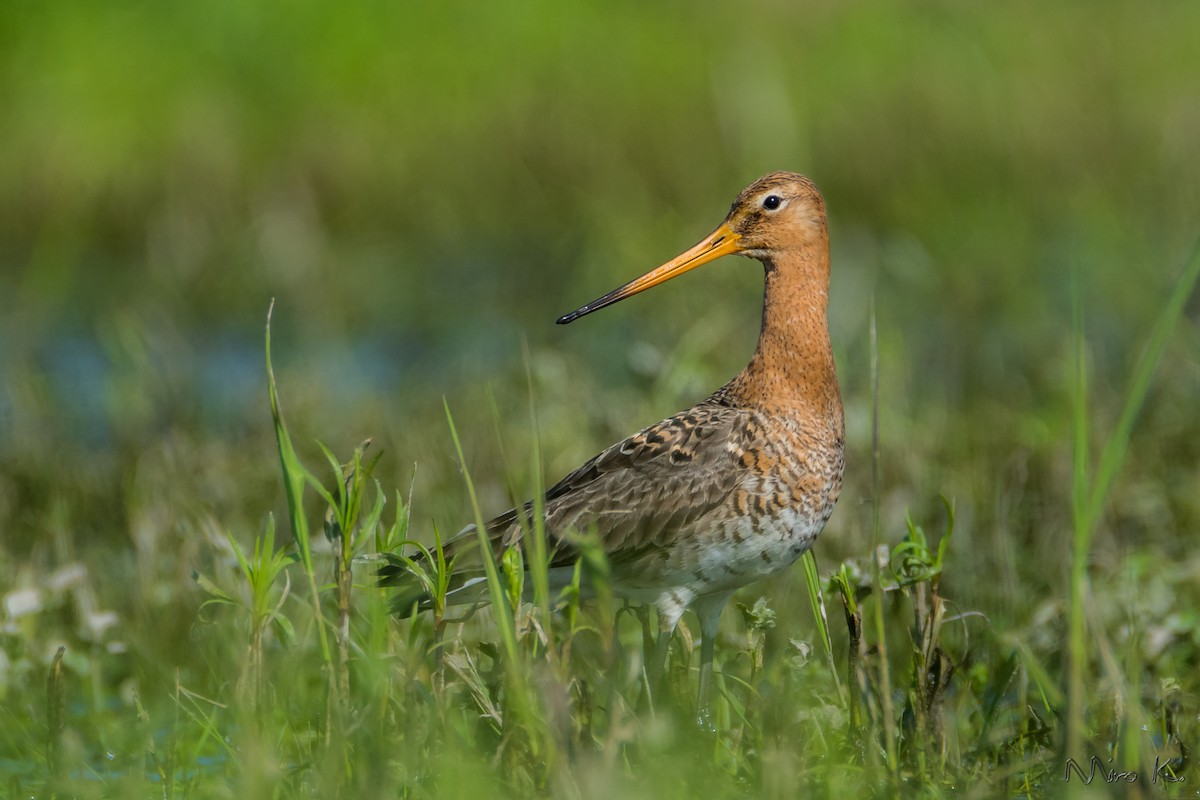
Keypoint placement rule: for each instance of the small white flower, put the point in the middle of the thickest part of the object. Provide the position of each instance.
(22, 602)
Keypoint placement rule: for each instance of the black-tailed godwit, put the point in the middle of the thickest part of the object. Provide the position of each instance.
(731, 490)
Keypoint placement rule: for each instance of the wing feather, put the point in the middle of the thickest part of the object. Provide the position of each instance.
(640, 491)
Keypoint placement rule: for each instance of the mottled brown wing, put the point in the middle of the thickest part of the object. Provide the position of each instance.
(639, 491)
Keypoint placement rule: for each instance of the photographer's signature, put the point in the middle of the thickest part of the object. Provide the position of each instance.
(1162, 772)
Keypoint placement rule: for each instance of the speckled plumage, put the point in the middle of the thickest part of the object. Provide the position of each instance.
(737, 487)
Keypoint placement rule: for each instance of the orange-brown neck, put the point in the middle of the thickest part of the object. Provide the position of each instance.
(792, 368)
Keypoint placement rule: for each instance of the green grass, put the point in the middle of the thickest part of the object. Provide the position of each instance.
(1090, 497)
(1012, 198)
(327, 694)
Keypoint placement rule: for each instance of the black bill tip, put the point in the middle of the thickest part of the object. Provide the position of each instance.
(595, 305)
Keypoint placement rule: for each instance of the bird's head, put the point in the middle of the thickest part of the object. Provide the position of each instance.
(779, 212)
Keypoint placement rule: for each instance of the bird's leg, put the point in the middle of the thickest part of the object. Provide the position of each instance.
(667, 620)
(643, 614)
(670, 606)
(708, 609)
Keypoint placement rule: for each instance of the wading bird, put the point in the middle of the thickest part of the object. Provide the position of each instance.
(724, 493)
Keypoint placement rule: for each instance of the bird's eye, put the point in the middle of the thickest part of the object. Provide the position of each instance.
(772, 202)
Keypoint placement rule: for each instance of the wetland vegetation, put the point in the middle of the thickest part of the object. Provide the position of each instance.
(1008, 585)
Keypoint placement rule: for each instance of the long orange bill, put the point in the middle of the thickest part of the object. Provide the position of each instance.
(720, 242)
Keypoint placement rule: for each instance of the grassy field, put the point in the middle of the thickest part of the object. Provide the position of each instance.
(1007, 587)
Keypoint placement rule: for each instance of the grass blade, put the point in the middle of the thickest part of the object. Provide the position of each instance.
(1089, 497)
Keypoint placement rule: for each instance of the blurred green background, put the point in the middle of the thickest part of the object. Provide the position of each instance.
(424, 188)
